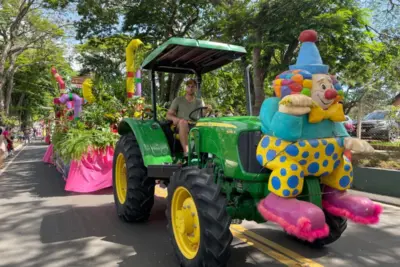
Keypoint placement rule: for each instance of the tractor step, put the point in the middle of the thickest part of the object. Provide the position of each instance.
(162, 171)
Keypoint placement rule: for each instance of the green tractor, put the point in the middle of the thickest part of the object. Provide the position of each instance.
(222, 180)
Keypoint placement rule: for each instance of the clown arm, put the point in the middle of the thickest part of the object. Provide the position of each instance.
(275, 123)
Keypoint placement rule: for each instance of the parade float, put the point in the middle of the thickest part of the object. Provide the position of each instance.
(288, 165)
(304, 135)
(82, 145)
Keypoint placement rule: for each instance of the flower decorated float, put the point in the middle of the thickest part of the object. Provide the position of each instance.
(81, 152)
(303, 135)
(83, 143)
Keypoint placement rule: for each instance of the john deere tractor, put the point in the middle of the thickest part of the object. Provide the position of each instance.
(222, 179)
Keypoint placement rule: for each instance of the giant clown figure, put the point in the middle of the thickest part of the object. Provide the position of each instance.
(304, 136)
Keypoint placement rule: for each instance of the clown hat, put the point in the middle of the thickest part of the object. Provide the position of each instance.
(309, 58)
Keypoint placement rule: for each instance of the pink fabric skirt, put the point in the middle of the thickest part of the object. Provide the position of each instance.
(92, 173)
(48, 156)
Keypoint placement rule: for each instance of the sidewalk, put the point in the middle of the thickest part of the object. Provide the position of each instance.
(379, 198)
(16, 149)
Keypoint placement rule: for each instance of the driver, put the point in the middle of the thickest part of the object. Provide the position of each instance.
(179, 112)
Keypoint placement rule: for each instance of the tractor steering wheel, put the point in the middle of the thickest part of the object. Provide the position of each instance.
(197, 110)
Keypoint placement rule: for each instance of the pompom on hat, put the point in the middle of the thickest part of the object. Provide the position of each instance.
(309, 58)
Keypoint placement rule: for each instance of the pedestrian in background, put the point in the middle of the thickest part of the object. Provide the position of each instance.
(27, 136)
(7, 136)
(3, 149)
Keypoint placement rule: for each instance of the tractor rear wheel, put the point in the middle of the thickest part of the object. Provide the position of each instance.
(133, 190)
(198, 223)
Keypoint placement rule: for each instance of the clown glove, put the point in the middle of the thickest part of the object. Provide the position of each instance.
(296, 104)
(358, 145)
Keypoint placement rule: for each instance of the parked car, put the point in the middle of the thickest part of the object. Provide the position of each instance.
(377, 125)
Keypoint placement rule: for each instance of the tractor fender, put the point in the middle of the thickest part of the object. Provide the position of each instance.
(151, 139)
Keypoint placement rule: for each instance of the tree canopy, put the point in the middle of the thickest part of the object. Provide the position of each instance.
(358, 39)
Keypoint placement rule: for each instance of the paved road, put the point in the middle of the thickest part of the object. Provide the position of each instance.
(41, 225)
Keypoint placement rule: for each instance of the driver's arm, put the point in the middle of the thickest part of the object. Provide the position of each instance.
(171, 113)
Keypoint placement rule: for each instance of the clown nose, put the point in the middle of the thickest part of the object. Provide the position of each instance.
(330, 94)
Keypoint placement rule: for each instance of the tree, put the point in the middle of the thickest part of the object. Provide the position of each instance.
(377, 81)
(269, 29)
(33, 87)
(104, 56)
(152, 21)
(22, 27)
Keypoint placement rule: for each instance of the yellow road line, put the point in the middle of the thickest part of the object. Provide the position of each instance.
(275, 246)
(264, 249)
(266, 246)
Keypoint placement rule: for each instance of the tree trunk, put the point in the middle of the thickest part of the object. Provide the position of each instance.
(3, 58)
(8, 92)
(258, 79)
(10, 82)
(177, 80)
(167, 90)
(161, 81)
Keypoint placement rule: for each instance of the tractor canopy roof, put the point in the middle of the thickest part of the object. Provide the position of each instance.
(181, 55)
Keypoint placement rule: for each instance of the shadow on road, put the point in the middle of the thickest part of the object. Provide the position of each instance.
(360, 245)
(149, 240)
(28, 174)
(38, 230)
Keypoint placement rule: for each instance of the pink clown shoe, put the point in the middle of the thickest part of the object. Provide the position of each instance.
(299, 218)
(356, 208)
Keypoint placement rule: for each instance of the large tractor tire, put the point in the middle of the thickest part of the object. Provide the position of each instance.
(198, 223)
(133, 190)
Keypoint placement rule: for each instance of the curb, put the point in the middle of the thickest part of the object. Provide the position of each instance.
(394, 201)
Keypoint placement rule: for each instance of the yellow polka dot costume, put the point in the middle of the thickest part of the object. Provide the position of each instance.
(290, 162)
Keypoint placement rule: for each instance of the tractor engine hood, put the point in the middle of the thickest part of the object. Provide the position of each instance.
(233, 140)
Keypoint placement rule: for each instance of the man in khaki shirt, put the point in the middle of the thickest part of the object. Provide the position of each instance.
(180, 109)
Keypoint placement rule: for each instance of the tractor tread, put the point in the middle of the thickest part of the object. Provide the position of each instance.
(140, 194)
(337, 225)
(216, 238)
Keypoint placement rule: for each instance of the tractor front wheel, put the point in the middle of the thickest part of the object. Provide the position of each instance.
(198, 223)
(133, 190)
(337, 225)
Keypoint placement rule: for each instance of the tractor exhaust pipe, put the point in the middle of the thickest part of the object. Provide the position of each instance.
(248, 92)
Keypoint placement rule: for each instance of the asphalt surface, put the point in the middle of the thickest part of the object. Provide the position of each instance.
(41, 225)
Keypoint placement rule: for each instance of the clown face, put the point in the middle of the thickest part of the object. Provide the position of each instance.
(323, 93)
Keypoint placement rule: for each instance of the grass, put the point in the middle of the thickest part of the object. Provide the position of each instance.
(381, 143)
(380, 159)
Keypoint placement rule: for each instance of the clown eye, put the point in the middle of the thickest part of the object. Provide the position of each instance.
(323, 86)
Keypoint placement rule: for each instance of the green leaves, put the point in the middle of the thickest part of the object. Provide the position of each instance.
(76, 143)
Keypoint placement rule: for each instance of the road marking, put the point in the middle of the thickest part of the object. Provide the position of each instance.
(264, 249)
(286, 256)
(11, 161)
(285, 251)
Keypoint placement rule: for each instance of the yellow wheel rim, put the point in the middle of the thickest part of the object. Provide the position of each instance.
(185, 222)
(121, 181)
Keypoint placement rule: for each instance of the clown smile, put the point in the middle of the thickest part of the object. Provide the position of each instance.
(323, 102)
